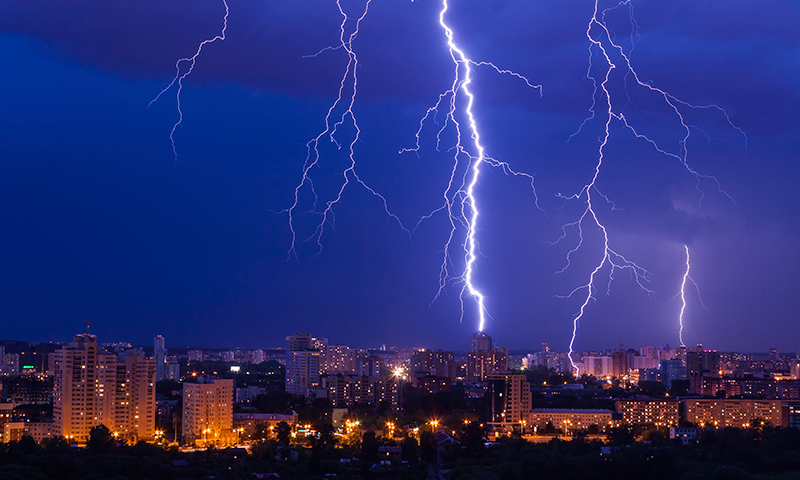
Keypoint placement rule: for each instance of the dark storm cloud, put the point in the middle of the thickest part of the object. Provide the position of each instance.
(103, 224)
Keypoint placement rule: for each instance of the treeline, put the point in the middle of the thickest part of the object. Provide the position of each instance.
(762, 453)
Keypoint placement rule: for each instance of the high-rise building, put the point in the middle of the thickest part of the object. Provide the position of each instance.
(302, 371)
(671, 370)
(85, 386)
(160, 354)
(174, 371)
(481, 342)
(304, 341)
(485, 359)
(303, 354)
(338, 359)
(509, 400)
(92, 388)
(208, 413)
(135, 398)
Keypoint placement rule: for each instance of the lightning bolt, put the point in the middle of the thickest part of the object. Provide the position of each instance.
(683, 296)
(343, 108)
(459, 197)
(602, 40)
(179, 77)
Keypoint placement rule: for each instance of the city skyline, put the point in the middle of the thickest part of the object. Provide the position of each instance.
(103, 223)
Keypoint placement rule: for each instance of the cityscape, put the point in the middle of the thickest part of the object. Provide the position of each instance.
(197, 399)
(418, 239)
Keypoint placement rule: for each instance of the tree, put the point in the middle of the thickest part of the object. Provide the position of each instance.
(473, 439)
(326, 436)
(369, 449)
(409, 449)
(56, 445)
(427, 445)
(284, 433)
(100, 440)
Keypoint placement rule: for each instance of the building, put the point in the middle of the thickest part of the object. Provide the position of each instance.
(257, 426)
(195, 355)
(485, 359)
(338, 359)
(160, 354)
(349, 390)
(303, 356)
(432, 384)
(173, 371)
(135, 398)
(92, 388)
(672, 370)
(30, 389)
(6, 413)
(568, 420)
(304, 341)
(509, 401)
(481, 342)
(84, 388)
(437, 363)
(249, 394)
(208, 413)
(598, 366)
(661, 413)
(722, 413)
(302, 371)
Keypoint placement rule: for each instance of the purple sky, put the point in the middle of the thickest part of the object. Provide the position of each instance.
(99, 221)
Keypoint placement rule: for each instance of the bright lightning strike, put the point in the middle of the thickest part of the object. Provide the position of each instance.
(460, 200)
(683, 296)
(682, 293)
(603, 41)
(179, 77)
(343, 108)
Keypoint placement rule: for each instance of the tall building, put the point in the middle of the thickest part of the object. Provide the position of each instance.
(509, 400)
(92, 388)
(481, 342)
(85, 385)
(338, 359)
(135, 402)
(160, 354)
(671, 370)
(302, 371)
(485, 359)
(208, 413)
(303, 354)
(304, 341)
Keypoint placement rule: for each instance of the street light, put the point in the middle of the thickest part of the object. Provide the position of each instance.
(434, 424)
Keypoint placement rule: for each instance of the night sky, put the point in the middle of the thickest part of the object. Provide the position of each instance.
(99, 221)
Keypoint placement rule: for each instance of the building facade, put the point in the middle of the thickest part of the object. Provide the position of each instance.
(208, 413)
(85, 380)
(661, 413)
(92, 387)
(722, 413)
(509, 401)
(568, 420)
